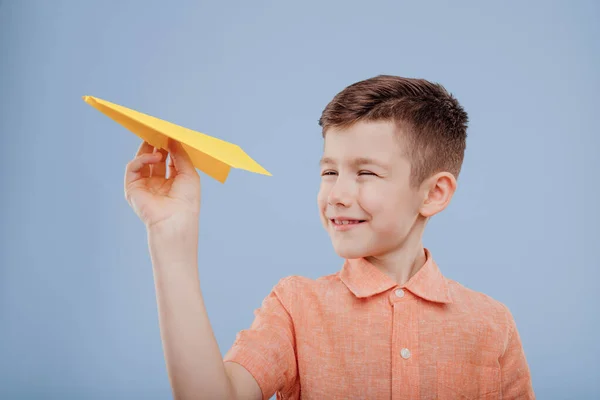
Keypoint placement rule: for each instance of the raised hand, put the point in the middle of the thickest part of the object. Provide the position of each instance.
(159, 195)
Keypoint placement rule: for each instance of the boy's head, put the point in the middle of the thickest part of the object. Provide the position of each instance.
(393, 151)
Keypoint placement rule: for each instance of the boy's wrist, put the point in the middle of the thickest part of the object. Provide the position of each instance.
(175, 228)
(174, 243)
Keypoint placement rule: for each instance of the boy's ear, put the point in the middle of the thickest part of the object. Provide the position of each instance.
(437, 193)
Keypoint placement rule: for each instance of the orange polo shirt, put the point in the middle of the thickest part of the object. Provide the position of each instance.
(357, 334)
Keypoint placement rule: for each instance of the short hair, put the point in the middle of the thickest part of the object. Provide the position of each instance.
(431, 119)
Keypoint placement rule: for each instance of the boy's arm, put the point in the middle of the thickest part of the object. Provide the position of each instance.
(245, 386)
(266, 351)
(516, 377)
(194, 363)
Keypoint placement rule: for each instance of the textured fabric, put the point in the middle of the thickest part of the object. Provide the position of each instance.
(354, 335)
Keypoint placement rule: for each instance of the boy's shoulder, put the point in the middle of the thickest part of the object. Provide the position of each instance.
(298, 285)
(301, 290)
(477, 305)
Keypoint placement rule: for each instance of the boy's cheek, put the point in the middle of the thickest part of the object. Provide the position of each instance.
(322, 197)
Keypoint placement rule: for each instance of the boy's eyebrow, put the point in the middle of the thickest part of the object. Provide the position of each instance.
(326, 160)
(356, 162)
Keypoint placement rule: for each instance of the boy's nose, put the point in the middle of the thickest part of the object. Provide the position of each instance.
(340, 194)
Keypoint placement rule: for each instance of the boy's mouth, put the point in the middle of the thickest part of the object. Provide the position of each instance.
(344, 224)
(346, 221)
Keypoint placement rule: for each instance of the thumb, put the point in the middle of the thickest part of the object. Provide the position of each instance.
(180, 158)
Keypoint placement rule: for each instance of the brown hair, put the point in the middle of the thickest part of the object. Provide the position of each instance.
(434, 123)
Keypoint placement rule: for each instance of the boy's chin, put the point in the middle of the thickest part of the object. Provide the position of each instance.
(350, 252)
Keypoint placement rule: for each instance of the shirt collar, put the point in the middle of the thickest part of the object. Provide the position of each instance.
(363, 279)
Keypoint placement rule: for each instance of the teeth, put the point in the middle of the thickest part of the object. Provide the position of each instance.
(345, 222)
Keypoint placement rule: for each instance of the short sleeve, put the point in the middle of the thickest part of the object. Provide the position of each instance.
(267, 348)
(516, 377)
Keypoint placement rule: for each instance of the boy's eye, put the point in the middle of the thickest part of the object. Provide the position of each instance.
(365, 173)
(328, 173)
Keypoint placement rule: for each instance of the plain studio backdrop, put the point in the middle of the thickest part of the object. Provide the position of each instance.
(78, 317)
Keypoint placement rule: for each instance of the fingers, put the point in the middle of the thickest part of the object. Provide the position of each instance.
(136, 167)
(180, 163)
(152, 162)
(145, 148)
(160, 168)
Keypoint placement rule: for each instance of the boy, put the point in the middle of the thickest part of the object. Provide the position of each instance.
(388, 324)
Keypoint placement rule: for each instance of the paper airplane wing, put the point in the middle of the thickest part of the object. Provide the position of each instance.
(213, 156)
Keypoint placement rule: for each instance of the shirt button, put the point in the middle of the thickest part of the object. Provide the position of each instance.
(399, 293)
(405, 353)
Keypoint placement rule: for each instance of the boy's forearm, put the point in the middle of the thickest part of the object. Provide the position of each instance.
(194, 362)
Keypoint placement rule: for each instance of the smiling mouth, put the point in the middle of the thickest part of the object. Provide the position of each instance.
(347, 222)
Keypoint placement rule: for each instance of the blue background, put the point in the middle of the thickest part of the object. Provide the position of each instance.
(78, 315)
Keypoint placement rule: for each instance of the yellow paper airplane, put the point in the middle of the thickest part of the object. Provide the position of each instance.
(213, 156)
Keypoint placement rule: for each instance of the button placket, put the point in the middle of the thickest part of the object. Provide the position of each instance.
(405, 342)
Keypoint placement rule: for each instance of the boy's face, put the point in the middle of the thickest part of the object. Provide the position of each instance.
(365, 178)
